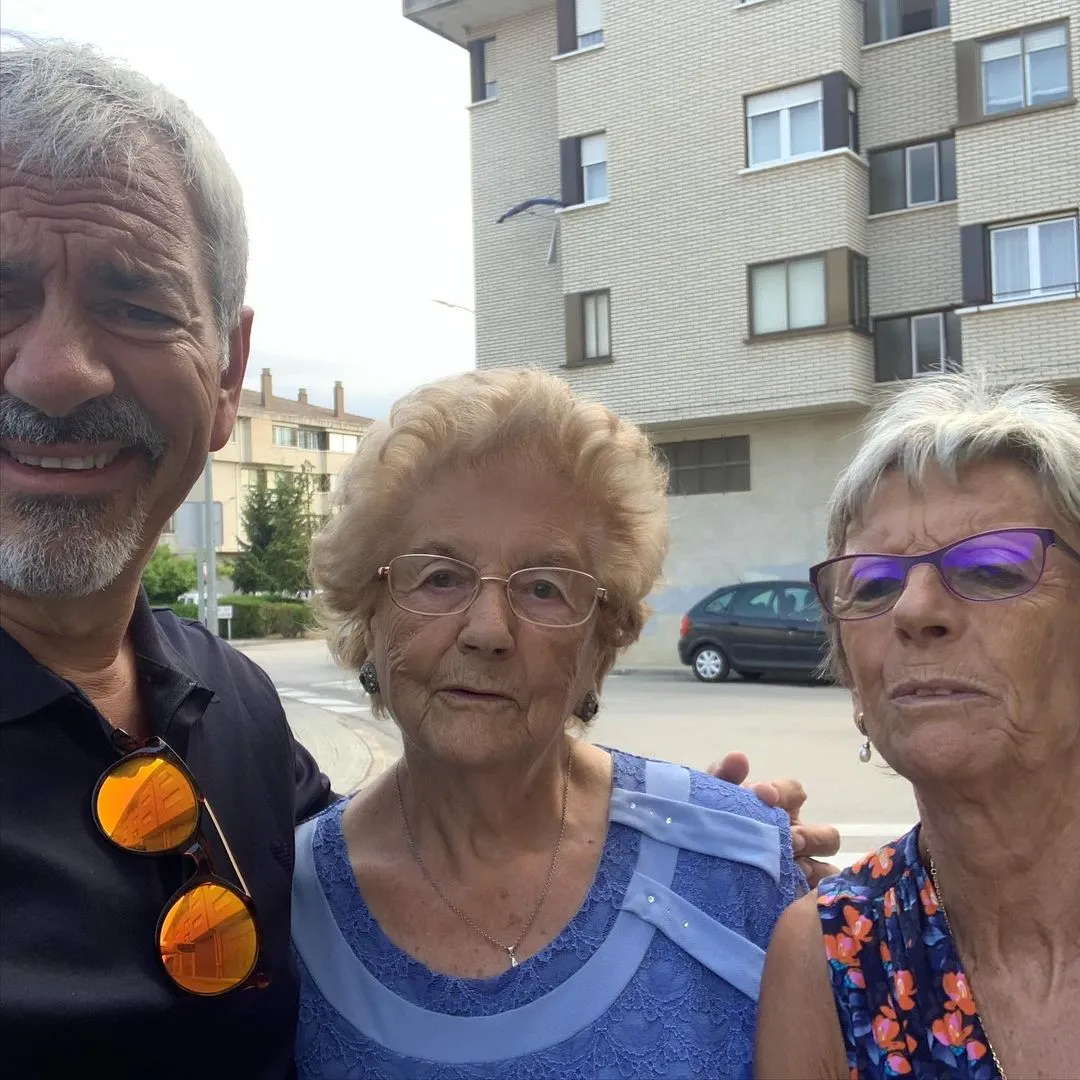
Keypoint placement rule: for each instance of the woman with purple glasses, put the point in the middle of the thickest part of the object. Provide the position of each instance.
(953, 591)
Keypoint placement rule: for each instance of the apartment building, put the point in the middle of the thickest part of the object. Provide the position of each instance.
(272, 435)
(770, 214)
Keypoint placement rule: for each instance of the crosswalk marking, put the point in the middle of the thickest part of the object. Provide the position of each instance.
(340, 706)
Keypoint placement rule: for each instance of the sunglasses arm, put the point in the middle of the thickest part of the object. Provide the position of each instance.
(225, 845)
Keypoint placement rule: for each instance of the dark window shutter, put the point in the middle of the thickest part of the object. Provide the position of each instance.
(947, 163)
(968, 88)
(573, 188)
(892, 349)
(565, 26)
(575, 329)
(887, 182)
(954, 348)
(834, 110)
(476, 70)
(974, 268)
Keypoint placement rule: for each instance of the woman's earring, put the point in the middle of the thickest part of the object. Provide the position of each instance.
(590, 706)
(369, 678)
(865, 750)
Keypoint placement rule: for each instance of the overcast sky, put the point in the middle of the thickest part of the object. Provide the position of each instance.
(348, 129)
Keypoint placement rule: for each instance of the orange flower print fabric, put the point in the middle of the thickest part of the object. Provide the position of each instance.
(904, 1002)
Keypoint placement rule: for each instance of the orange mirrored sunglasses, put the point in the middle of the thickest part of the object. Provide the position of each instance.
(148, 804)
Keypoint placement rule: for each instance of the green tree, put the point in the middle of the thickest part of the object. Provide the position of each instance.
(279, 525)
(168, 575)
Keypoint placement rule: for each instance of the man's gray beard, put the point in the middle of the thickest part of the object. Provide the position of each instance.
(56, 546)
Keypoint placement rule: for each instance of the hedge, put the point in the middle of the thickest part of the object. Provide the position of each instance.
(258, 616)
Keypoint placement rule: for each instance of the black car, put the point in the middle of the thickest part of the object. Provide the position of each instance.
(753, 628)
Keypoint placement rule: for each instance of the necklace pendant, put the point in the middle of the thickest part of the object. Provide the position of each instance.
(510, 953)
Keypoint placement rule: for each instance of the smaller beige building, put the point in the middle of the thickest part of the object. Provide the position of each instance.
(273, 435)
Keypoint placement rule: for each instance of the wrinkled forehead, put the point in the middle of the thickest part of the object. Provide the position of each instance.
(904, 513)
(130, 218)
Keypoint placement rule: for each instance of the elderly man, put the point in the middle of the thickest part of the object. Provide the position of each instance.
(129, 739)
(124, 344)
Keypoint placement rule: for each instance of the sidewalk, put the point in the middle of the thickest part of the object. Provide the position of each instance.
(352, 751)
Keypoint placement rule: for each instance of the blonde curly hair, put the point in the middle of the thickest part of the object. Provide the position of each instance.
(485, 417)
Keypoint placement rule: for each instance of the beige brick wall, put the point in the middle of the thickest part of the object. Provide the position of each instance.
(914, 260)
(1029, 341)
(981, 18)
(515, 156)
(1019, 165)
(909, 89)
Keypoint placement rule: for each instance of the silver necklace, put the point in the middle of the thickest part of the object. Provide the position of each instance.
(510, 950)
(941, 904)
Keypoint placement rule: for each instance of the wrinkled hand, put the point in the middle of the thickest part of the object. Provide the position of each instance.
(811, 843)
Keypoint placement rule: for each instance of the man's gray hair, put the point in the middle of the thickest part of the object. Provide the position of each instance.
(76, 115)
(953, 422)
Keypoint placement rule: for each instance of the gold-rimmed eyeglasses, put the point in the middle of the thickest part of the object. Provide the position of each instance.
(544, 595)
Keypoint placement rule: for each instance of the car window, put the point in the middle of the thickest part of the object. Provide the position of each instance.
(754, 602)
(719, 604)
(798, 602)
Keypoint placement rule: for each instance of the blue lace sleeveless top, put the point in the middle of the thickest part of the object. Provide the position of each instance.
(904, 1002)
(655, 976)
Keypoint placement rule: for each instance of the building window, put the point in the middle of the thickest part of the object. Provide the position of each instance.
(588, 327)
(887, 19)
(596, 319)
(340, 443)
(909, 346)
(589, 18)
(583, 165)
(785, 124)
(482, 70)
(788, 295)
(917, 175)
(1034, 260)
(594, 184)
(169, 528)
(284, 436)
(1024, 70)
(252, 478)
(322, 482)
(859, 284)
(312, 439)
(707, 466)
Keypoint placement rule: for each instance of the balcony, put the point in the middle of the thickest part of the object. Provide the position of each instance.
(462, 20)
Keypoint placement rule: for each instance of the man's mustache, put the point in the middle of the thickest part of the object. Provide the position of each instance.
(104, 419)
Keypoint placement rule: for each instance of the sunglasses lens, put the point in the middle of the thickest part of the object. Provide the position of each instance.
(208, 939)
(147, 804)
(995, 566)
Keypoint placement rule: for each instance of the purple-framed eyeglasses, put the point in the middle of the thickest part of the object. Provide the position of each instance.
(998, 565)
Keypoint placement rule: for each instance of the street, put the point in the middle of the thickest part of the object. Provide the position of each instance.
(787, 728)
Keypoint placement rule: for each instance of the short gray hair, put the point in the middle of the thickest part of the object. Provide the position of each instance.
(954, 422)
(77, 115)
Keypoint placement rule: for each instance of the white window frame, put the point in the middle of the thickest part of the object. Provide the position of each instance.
(597, 139)
(935, 147)
(591, 349)
(1021, 44)
(782, 102)
(285, 427)
(943, 346)
(491, 86)
(589, 23)
(1034, 270)
(787, 328)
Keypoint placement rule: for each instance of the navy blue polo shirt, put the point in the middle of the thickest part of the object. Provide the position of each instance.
(82, 992)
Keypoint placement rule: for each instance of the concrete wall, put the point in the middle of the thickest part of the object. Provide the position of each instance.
(778, 527)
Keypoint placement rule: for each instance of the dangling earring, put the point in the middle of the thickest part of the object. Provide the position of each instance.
(590, 706)
(865, 751)
(369, 678)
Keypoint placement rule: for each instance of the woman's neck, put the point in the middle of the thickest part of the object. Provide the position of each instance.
(1006, 852)
(487, 814)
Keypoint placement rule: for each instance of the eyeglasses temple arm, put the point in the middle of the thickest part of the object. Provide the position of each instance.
(1066, 547)
(225, 845)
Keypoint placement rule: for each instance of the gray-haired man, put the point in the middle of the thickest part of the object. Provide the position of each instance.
(123, 344)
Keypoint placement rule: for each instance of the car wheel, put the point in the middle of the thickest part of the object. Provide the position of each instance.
(751, 676)
(710, 664)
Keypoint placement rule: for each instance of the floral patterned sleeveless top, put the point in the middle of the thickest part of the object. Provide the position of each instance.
(904, 1002)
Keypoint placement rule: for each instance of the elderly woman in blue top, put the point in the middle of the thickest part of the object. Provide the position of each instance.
(511, 900)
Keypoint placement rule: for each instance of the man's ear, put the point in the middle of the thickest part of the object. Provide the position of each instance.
(232, 380)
